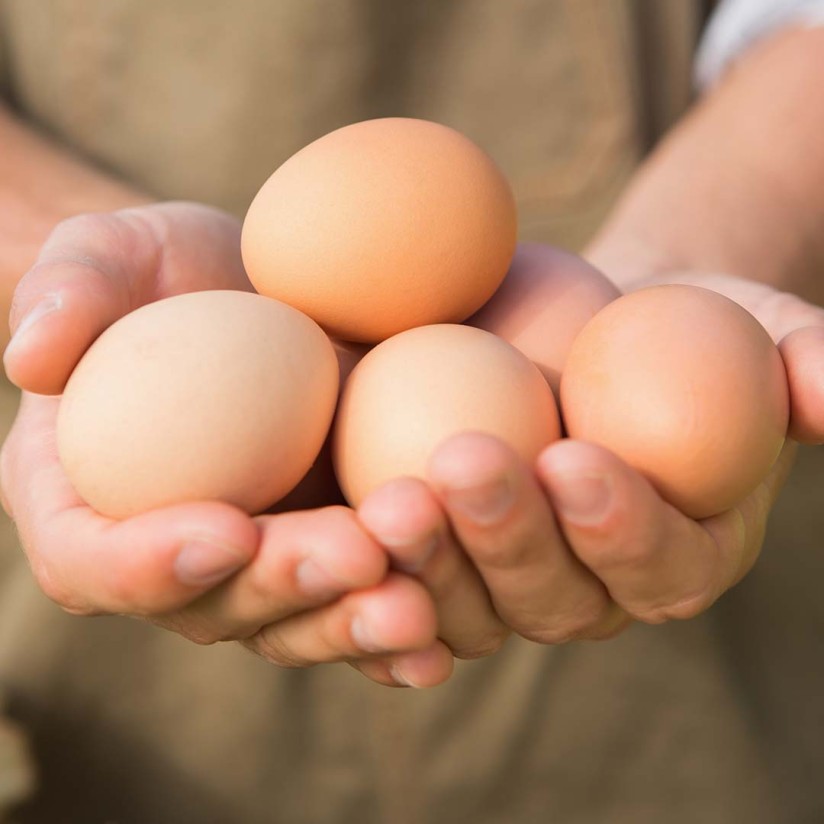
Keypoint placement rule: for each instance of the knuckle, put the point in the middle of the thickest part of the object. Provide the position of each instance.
(124, 591)
(56, 591)
(561, 630)
(340, 518)
(270, 647)
(549, 636)
(83, 228)
(613, 554)
(85, 224)
(681, 610)
(616, 622)
(6, 471)
(202, 636)
(11, 457)
(183, 624)
(491, 642)
(503, 554)
(264, 576)
(606, 634)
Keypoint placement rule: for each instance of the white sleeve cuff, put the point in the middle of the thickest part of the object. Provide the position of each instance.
(737, 24)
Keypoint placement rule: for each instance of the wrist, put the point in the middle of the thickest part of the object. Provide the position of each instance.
(734, 187)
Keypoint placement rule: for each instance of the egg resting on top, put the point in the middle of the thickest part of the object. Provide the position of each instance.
(382, 226)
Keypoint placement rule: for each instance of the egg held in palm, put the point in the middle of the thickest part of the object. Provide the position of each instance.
(215, 395)
(415, 390)
(687, 387)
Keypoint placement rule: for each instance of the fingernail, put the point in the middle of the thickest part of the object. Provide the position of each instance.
(410, 555)
(45, 306)
(400, 678)
(484, 505)
(315, 581)
(583, 499)
(200, 563)
(363, 637)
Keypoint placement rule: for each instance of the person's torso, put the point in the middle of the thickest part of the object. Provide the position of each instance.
(202, 99)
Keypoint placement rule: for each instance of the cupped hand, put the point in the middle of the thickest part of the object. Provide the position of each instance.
(580, 545)
(298, 588)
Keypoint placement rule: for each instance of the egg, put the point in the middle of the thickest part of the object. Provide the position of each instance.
(415, 390)
(215, 395)
(684, 385)
(547, 297)
(382, 226)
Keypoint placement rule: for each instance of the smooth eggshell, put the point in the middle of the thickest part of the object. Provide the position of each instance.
(547, 297)
(215, 395)
(415, 390)
(685, 386)
(381, 226)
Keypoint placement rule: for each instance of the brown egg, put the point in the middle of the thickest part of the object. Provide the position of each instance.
(382, 226)
(417, 389)
(547, 297)
(214, 395)
(685, 386)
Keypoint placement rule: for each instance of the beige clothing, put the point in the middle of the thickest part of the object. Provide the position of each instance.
(716, 720)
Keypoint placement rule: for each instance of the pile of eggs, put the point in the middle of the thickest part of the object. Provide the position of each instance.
(393, 311)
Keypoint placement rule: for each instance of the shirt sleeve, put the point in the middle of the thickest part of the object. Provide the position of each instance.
(737, 24)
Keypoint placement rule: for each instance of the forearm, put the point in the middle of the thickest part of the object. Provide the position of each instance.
(41, 184)
(738, 185)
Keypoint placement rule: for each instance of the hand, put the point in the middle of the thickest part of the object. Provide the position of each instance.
(297, 588)
(580, 545)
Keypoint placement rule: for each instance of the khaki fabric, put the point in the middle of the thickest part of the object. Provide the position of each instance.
(192, 99)
(716, 720)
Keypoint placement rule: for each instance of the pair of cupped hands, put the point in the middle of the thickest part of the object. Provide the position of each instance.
(577, 546)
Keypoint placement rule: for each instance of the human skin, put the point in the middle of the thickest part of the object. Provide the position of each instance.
(488, 545)
(579, 545)
(298, 588)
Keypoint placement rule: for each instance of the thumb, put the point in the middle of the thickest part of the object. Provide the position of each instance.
(95, 268)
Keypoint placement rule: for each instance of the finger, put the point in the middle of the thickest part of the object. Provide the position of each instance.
(741, 531)
(396, 616)
(780, 313)
(89, 564)
(305, 559)
(426, 668)
(502, 519)
(656, 563)
(803, 354)
(798, 328)
(407, 520)
(95, 268)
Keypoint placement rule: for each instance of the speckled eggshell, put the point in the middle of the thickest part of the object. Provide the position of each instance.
(415, 390)
(684, 385)
(547, 297)
(381, 226)
(215, 395)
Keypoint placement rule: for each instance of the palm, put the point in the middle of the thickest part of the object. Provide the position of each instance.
(293, 586)
(556, 568)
